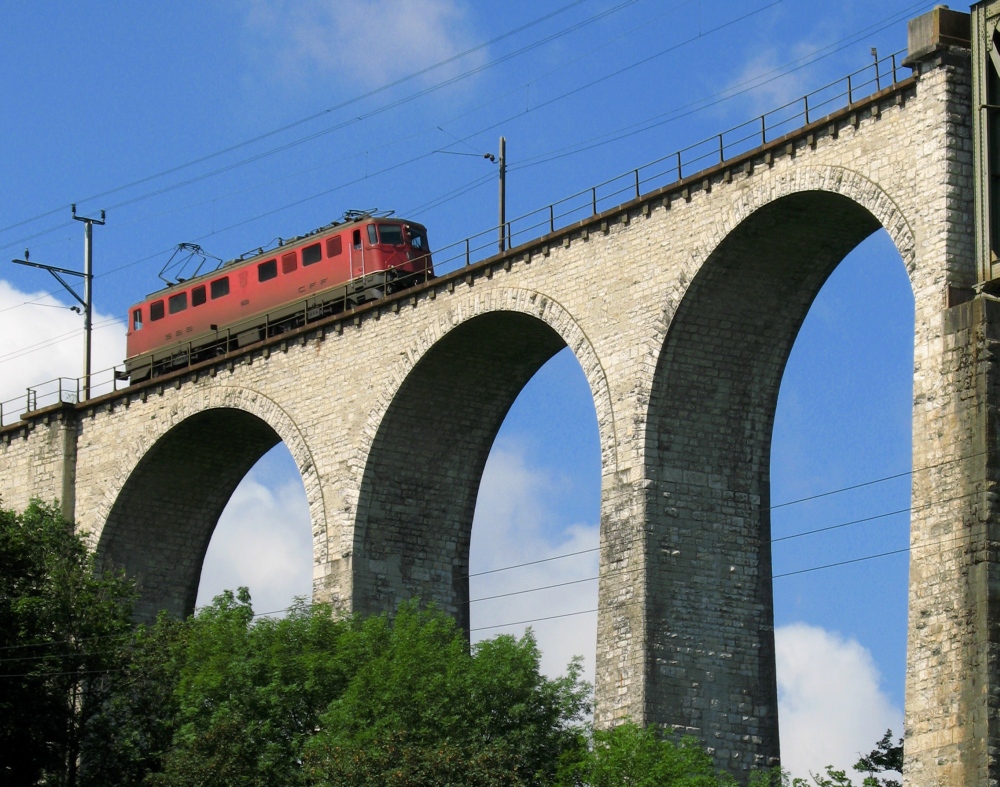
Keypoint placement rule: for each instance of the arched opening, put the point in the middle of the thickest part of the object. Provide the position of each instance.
(162, 520)
(535, 536)
(844, 418)
(425, 465)
(709, 613)
(263, 539)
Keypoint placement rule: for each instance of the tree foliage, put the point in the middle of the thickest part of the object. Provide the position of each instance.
(884, 758)
(228, 699)
(63, 635)
(643, 757)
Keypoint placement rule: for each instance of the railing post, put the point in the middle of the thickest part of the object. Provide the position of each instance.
(878, 75)
(637, 184)
(593, 200)
(850, 91)
(679, 175)
(805, 101)
(552, 219)
(763, 130)
(466, 251)
(894, 80)
(78, 388)
(722, 154)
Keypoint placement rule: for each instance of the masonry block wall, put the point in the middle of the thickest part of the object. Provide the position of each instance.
(681, 308)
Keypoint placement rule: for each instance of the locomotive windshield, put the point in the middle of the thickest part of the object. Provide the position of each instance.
(391, 234)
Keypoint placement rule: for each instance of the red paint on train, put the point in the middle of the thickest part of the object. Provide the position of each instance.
(246, 300)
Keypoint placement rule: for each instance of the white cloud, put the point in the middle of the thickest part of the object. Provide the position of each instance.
(767, 88)
(43, 341)
(365, 41)
(513, 525)
(263, 540)
(831, 709)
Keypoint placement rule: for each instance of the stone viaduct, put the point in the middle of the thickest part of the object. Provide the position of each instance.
(681, 307)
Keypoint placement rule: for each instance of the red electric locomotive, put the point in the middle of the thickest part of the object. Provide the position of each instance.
(246, 300)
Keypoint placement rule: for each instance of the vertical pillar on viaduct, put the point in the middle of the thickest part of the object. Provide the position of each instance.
(953, 654)
(710, 662)
(953, 649)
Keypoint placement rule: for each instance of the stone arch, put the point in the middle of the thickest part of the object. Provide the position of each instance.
(708, 607)
(177, 475)
(766, 188)
(449, 394)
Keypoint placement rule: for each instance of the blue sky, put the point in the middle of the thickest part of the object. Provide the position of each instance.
(295, 112)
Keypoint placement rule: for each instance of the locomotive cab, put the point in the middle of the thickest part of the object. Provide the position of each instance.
(389, 256)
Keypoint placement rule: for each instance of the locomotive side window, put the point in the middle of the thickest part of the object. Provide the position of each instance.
(372, 236)
(137, 320)
(198, 296)
(334, 246)
(357, 239)
(156, 311)
(177, 303)
(417, 238)
(289, 263)
(391, 233)
(267, 270)
(312, 254)
(220, 287)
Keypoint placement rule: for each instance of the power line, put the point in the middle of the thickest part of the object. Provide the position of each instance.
(534, 590)
(695, 107)
(783, 538)
(781, 505)
(774, 576)
(350, 121)
(487, 103)
(59, 674)
(417, 95)
(547, 617)
(413, 160)
(307, 119)
(836, 564)
(636, 64)
(533, 562)
(31, 348)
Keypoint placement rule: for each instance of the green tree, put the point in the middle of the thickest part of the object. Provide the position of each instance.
(629, 755)
(133, 728)
(884, 757)
(63, 632)
(226, 699)
(422, 709)
(248, 693)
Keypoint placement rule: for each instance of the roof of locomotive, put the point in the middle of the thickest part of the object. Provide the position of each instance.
(285, 242)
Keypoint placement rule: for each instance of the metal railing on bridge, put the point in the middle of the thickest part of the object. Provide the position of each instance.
(675, 166)
(656, 174)
(60, 390)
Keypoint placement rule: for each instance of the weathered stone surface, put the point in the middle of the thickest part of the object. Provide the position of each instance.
(681, 308)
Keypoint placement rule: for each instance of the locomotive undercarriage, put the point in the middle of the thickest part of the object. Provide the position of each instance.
(220, 342)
